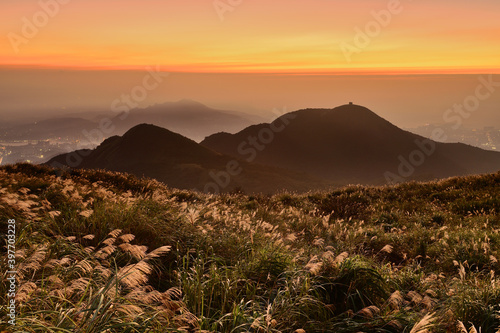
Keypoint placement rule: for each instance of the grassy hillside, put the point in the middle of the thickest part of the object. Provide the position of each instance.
(107, 252)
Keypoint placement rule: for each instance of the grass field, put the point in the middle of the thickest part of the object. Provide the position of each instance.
(107, 252)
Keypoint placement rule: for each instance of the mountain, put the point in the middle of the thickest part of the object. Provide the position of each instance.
(299, 151)
(351, 144)
(151, 151)
(189, 118)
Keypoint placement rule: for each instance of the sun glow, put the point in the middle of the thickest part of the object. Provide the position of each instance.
(256, 36)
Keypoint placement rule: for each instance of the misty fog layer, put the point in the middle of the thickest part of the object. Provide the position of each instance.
(405, 100)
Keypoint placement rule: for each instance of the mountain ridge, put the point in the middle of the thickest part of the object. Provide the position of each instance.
(338, 144)
(155, 152)
(187, 117)
(299, 151)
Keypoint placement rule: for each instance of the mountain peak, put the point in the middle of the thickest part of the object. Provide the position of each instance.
(351, 115)
(152, 135)
(147, 130)
(351, 107)
(355, 110)
(190, 102)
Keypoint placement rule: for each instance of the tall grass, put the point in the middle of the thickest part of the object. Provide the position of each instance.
(107, 252)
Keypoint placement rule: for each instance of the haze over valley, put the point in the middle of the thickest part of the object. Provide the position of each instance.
(77, 115)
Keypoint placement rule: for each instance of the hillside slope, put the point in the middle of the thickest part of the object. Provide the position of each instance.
(351, 144)
(151, 151)
(104, 251)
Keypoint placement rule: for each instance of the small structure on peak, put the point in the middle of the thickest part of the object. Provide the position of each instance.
(350, 103)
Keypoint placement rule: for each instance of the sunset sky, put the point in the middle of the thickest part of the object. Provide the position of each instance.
(292, 36)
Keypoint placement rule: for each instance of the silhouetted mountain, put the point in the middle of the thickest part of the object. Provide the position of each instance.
(302, 150)
(189, 118)
(351, 144)
(148, 150)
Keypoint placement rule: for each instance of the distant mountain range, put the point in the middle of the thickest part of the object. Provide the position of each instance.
(303, 150)
(189, 118)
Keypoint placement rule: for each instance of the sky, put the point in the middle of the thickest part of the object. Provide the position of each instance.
(298, 36)
(408, 60)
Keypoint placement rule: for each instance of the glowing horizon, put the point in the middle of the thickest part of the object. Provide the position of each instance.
(428, 37)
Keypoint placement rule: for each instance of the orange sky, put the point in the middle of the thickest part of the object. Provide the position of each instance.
(292, 36)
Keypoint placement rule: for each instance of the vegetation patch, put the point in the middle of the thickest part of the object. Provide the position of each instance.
(107, 252)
